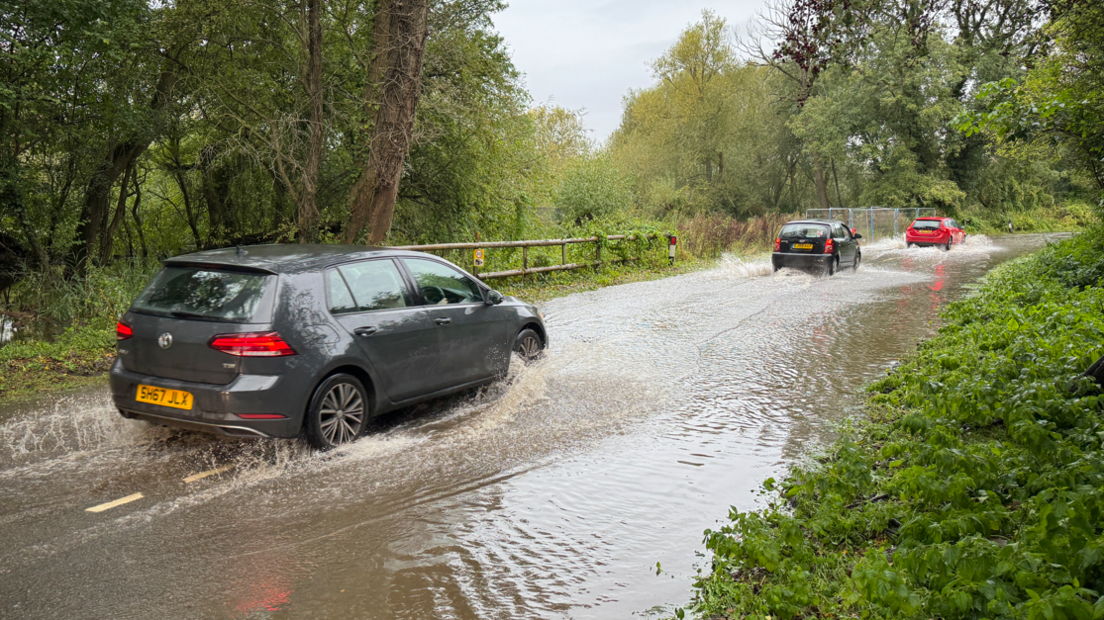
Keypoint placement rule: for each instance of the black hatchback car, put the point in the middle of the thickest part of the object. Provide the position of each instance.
(310, 340)
(825, 245)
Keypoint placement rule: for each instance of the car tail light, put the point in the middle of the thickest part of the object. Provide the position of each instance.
(778, 245)
(261, 416)
(123, 331)
(253, 344)
(829, 246)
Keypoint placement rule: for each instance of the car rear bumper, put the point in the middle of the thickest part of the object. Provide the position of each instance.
(800, 261)
(927, 240)
(215, 408)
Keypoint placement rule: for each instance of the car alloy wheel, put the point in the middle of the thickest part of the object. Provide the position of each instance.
(529, 345)
(337, 413)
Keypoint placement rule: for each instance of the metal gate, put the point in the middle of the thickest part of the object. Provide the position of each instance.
(873, 222)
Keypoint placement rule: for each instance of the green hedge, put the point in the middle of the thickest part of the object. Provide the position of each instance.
(974, 488)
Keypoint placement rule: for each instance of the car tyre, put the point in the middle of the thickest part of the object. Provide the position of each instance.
(833, 266)
(337, 412)
(528, 345)
(858, 259)
(947, 248)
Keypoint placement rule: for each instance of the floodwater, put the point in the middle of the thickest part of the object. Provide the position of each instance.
(553, 494)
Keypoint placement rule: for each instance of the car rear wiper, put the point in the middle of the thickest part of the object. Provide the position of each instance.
(180, 314)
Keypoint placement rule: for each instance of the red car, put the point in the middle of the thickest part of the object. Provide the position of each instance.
(938, 231)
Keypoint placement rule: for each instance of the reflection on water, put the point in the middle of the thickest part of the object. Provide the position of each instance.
(551, 494)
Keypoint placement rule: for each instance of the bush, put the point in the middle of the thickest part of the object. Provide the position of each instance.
(974, 490)
(592, 189)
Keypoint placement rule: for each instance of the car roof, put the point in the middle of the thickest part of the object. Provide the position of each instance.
(284, 258)
(824, 222)
(932, 217)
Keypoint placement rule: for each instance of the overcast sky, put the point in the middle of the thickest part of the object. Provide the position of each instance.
(589, 53)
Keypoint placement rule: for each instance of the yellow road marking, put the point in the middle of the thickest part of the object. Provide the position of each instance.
(203, 474)
(118, 502)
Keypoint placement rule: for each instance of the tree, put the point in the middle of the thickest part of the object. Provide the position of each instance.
(1060, 102)
(805, 36)
(708, 135)
(593, 188)
(398, 65)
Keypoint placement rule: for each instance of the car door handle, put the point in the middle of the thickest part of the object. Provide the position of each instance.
(365, 331)
(443, 321)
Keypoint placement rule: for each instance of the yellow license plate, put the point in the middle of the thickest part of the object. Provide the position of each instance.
(177, 399)
(925, 232)
(802, 246)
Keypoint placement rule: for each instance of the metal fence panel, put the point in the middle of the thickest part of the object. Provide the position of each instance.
(873, 222)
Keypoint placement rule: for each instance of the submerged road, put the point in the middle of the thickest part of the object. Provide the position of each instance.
(552, 494)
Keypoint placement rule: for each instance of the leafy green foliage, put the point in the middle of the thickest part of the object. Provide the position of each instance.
(593, 188)
(1060, 101)
(78, 354)
(975, 489)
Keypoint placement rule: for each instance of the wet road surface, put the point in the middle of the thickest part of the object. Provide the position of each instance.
(552, 494)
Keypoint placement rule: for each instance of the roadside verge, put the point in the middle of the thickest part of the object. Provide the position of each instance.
(79, 356)
(973, 489)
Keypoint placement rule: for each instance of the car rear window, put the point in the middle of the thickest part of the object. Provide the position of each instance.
(804, 231)
(190, 292)
(926, 224)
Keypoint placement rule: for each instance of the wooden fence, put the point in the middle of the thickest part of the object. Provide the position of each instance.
(536, 243)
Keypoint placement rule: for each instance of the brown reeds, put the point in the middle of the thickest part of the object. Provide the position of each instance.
(707, 236)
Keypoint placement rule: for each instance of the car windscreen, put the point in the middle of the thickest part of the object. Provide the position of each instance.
(200, 293)
(804, 231)
(926, 224)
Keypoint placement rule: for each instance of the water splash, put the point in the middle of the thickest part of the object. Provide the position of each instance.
(730, 265)
(885, 244)
(979, 241)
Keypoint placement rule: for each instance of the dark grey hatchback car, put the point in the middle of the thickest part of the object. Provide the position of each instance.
(310, 341)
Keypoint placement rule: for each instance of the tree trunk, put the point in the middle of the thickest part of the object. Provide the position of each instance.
(821, 184)
(143, 251)
(308, 209)
(374, 195)
(189, 212)
(107, 240)
(97, 198)
(381, 42)
(215, 187)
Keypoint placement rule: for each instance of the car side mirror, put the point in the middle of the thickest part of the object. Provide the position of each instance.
(857, 235)
(493, 298)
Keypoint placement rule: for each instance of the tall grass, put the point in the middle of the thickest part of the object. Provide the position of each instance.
(708, 236)
(99, 297)
(1068, 217)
